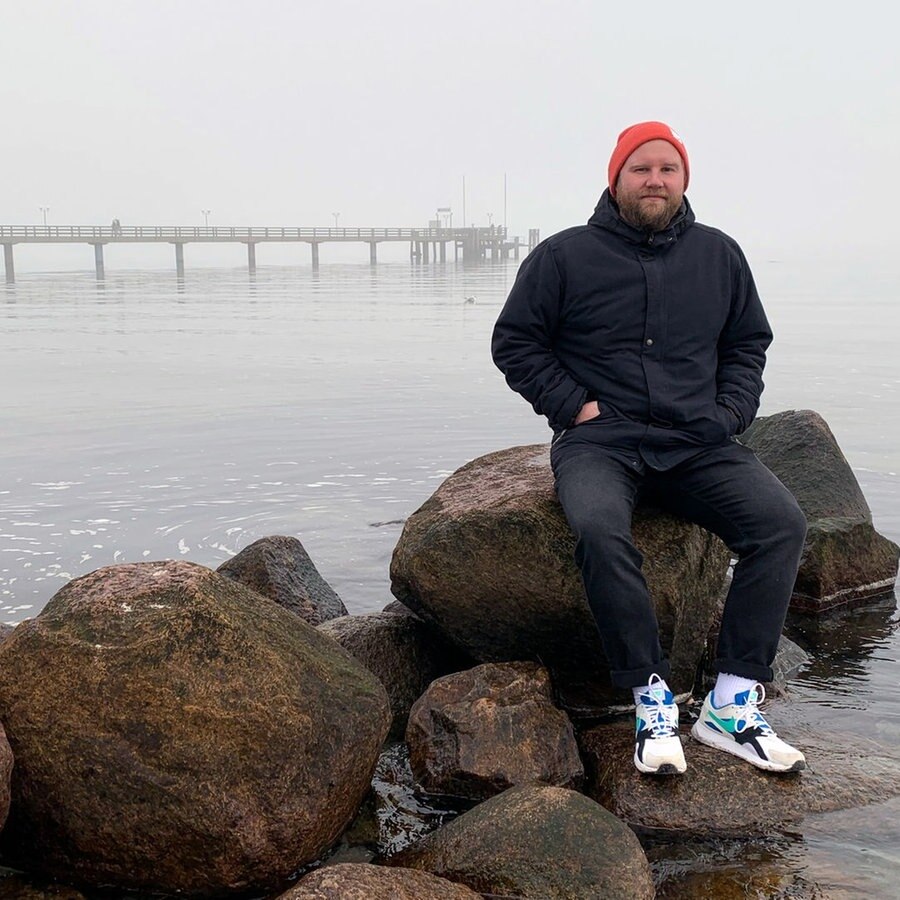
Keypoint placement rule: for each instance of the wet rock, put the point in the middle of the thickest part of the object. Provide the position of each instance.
(6, 768)
(400, 650)
(396, 607)
(476, 733)
(845, 560)
(545, 843)
(723, 796)
(20, 887)
(6, 631)
(279, 568)
(750, 878)
(367, 882)
(488, 560)
(176, 731)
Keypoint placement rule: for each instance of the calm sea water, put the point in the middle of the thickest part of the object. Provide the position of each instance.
(146, 419)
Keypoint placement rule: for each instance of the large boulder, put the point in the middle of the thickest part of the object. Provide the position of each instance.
(489, 560)
(845, 559)
(537, 843)
(279, 568)
(476, 733)
(722, 796)
(366, 882)
(400, 649)
(176, 731)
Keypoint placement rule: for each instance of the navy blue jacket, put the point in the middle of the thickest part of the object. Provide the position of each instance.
(665, 331)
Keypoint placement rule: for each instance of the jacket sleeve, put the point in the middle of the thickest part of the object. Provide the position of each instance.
(742, 350)
(522, 345)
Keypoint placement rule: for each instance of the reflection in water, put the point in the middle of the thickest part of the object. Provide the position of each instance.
(841, 644)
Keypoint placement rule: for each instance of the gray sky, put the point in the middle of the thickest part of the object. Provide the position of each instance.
(281, 112)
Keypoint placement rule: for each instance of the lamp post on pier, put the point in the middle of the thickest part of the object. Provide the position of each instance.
(44, 210)
(336, 217)
(205, 213)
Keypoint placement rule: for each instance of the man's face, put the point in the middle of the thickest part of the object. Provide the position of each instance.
(651, 185)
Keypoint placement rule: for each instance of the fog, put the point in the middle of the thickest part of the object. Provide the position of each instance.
(287, 113)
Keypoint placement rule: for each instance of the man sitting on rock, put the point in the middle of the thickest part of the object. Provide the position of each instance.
(641, 337)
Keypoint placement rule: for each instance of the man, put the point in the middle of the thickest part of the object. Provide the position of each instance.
(640, 336)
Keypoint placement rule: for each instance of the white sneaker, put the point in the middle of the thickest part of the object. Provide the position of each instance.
(741, 729)
(657, 746)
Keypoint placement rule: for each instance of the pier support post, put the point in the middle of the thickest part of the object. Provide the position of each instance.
(315, 254)
(372, 255)
(425, 251)
(443, 251)
(251, 258)
(8, 263)
(98, 262)
(179, 260)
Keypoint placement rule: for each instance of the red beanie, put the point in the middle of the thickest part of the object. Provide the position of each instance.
(632, 138)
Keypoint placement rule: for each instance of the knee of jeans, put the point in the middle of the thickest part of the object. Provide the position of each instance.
(791, 523)
(599, 529)
(796, 523)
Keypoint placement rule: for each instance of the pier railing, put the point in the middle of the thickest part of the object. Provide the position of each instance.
(424, 243)
(110, 233)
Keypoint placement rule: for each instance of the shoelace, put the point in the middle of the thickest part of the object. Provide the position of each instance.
(749, 715)
(663, 716)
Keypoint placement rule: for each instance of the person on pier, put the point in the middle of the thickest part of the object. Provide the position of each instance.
(642, 339)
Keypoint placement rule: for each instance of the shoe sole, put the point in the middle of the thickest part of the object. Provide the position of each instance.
(664, 769)
(712, 739)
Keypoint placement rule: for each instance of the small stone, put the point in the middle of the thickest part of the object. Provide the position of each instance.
(279, 568)
(476, 733)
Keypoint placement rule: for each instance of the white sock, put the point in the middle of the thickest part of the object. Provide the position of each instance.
(646, 689)
(729, 686)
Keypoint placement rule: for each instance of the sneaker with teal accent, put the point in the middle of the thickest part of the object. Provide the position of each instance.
(657, 746)
(741, 729)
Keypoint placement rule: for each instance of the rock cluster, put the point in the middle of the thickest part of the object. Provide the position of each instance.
(174, 729)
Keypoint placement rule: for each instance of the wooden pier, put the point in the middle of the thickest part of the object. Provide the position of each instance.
(425, 244)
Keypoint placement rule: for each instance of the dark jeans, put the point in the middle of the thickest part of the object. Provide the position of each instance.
(725, 489)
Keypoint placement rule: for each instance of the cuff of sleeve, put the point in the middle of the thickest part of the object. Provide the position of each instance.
(580, 399)
(724, 401)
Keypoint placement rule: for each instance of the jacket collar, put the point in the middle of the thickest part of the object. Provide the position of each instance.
(606, 215)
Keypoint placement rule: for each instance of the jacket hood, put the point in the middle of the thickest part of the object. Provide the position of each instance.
(606, 215)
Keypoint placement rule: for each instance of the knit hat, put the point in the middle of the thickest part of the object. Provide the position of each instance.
(632, 138)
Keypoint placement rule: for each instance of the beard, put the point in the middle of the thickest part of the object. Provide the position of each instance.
(647, 215)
